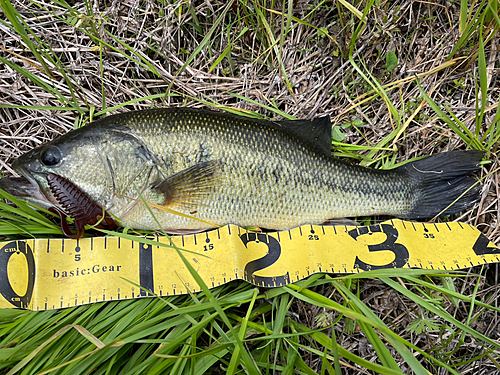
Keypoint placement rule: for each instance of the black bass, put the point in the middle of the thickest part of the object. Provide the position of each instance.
(222, 168)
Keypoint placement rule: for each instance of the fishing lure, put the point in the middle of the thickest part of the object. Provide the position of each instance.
(76, 204)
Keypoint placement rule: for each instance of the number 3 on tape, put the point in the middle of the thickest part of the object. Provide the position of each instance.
(401, 254)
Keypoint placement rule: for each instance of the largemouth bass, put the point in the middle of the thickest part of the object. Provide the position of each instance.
(223, 168)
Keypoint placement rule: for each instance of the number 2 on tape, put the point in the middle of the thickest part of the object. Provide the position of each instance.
(274, 252)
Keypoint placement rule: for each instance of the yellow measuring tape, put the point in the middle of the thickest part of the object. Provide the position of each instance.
(44, 274)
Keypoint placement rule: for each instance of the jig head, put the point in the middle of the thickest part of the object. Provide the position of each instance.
(77, 204)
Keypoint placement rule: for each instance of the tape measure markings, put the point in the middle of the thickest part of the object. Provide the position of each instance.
(67, 272)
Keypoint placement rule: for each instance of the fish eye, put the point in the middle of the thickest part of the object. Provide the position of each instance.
(50, 156)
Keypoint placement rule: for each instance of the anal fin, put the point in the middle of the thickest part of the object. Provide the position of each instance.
(342, 221)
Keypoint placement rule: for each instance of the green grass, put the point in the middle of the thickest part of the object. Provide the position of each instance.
(422, 322)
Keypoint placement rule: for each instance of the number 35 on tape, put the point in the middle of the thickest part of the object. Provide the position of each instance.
(42, 274)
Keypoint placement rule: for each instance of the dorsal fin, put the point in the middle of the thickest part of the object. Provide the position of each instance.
(317, 131)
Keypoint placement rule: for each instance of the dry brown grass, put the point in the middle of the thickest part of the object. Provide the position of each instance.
(323, 81)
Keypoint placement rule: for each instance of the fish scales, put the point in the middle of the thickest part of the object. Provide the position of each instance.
(223, 168)
(270, 177)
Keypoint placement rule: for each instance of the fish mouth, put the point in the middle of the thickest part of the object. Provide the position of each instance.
(25, 188)
(28, 178)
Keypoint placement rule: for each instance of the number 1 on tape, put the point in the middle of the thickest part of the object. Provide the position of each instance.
(42, 274)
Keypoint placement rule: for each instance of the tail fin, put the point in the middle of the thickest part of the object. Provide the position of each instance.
(439, 180)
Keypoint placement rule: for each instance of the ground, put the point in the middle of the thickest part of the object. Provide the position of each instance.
(406, 79)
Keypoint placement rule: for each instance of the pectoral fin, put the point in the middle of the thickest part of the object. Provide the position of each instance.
(190, 188)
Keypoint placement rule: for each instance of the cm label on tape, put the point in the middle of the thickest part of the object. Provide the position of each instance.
(41, 274)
